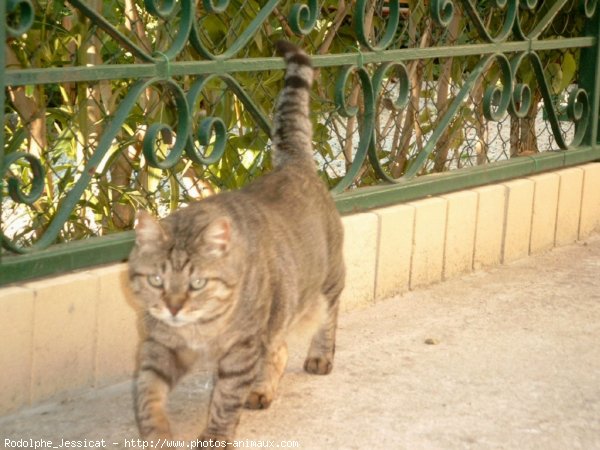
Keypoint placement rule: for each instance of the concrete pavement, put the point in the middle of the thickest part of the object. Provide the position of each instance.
(506, 358)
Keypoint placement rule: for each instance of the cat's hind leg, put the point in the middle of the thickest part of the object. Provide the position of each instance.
(319, 360)
(265, 386)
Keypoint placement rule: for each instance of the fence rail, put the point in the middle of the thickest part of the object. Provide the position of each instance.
(115, 105)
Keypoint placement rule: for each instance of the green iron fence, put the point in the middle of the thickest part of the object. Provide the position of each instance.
(115, 105)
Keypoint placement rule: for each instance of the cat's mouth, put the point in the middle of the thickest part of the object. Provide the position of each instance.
(176, 322)
(165, 316)
(189, 316)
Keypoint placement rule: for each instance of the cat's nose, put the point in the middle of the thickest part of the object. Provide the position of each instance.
(175, 309)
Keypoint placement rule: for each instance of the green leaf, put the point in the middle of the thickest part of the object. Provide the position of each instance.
(569, 70)
(555, 74)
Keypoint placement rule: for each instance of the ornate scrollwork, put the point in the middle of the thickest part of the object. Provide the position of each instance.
(521, 101)
(577, 104)
(578, 112)
(104, 145)
(497, 98)
(14, 185)
(218, 7)
(366, 124)
(496, 102)
(578, 107)
(441, 11)
(15, 188)
(164, 9)
(215, 6)
(302, 18)
(403, 81)
(512, 7)
(21, 15)
(152, 134)
(521, 98)
(589, 7)
(160, 8)
(528, 4)
(390, 28)
(207, 127)
(214, 126)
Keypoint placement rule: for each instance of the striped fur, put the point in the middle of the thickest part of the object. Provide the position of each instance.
(292, 128)
(223, 281)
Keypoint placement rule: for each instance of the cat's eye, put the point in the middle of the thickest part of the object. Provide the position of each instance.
(155, 281)
(198, 283)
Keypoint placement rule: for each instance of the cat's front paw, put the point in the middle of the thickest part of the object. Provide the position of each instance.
(257, 400)
(318, 365)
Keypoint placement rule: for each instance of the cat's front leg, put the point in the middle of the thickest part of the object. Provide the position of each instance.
(236, 373)
(159, 370)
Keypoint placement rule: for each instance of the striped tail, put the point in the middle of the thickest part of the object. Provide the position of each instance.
(292, 128)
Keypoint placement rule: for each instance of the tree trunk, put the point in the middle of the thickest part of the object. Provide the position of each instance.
(444, 96)
(523, 136)
(399, 154)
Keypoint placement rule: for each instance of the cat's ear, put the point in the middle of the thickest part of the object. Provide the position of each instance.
(147, 229)
(216, 237)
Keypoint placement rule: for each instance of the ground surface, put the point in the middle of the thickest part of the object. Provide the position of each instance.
(507, 358)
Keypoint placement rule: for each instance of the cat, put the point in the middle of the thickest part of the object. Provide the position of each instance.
(225, 279)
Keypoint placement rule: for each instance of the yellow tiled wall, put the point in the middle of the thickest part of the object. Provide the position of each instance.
(517, 219)
(460, 233)
(360, 251)
(569, 206)
(543, 220)
(396, 225)
(428, 241)
(81, 330)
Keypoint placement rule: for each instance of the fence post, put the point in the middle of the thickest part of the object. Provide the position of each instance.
(3, 20)
(589, 67)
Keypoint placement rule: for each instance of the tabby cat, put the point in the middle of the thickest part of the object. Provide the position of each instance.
(224, 280)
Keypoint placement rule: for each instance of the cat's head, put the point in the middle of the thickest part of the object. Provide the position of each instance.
(183, 270)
